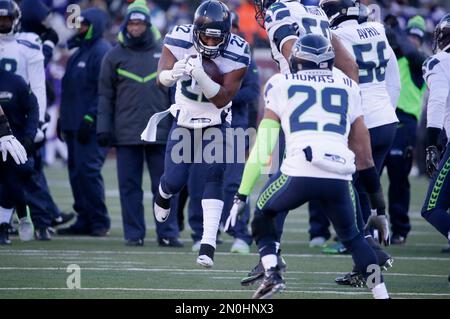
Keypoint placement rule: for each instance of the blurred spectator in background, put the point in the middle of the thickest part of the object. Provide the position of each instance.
(128, 98)
(44, 211)
(254, 34)
(407, 46)
(179, 13)
(77, 123)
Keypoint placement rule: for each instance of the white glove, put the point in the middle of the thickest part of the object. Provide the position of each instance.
(9, 144)
(194, 63)
(381, 224)
(236, 211)
(179, 69)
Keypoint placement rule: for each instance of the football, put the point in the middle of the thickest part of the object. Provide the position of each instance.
(212, 70)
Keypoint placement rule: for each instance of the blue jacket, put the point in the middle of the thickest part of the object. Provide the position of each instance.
(19, 105)
(79, 88)
(246, 96)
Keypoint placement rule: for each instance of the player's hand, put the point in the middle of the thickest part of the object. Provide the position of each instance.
(432, 160)
(239, 203)
(179, 69)
(194, 63)
(9, 144)
(380, 223)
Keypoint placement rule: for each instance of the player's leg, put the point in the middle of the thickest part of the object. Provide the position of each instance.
(340, 205)
(281, 193)
(168, 231)
(399, 163)
(196, 185)
(437, 201)
(319, 225)
(177, 161)
(214, 147)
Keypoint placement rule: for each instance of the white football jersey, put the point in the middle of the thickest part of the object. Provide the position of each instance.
(436, 71)
(192, 109)
(21, 54)
(316, 109)
(283, 18)
(369, 46)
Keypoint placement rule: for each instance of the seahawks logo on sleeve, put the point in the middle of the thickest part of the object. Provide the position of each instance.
(428, 66)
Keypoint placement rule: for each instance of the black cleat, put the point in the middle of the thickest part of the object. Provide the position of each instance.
(257, 273)
(272, 283)
(42, 234)
(63, 218)
(135, 242)
(352, 278)
(4, 234)
(170, 242)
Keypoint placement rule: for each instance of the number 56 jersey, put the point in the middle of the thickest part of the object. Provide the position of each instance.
(378, 69)
(316, 109)
(192, 109)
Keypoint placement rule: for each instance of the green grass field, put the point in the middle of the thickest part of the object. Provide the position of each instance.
(111, 270)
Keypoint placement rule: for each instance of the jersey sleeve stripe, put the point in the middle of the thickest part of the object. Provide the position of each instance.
(28, 44)
(177, 43)
(282, 14)
(236, 57)
(281, 33)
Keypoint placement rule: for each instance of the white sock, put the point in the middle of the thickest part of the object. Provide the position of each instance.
(164, 195)
(380, 291)
(269, 261)
(212, 211)
(5, 215)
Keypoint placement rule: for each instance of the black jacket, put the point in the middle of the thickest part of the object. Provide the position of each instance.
(128, 92)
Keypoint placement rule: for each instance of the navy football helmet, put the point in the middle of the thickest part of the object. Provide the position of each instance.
(442, 35)
(312, 52)
(212, 19)
(340, 10)
(9, 8)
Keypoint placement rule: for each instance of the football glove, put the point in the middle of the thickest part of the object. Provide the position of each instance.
(432, 160)
(193, 63)
(9, 144)
(179, 69)
(381, 224)
(239, 203)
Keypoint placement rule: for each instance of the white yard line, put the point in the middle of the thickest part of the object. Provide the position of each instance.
(119, 252)
(190, 271)
(322, 292)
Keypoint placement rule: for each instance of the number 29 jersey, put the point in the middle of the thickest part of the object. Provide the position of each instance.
(316, 109)
(192, 109)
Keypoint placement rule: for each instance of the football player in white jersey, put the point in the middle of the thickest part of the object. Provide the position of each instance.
(201, 104)
(320, 114)
(286, 20)
(379, 80)
(21, 53)
(437, 76)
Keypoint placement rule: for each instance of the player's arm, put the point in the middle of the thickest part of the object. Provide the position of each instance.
(170, 70)
(368, 178)
(266, 139)
(344, 61)
(393, 82)
(36, 74)
(439, 87)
